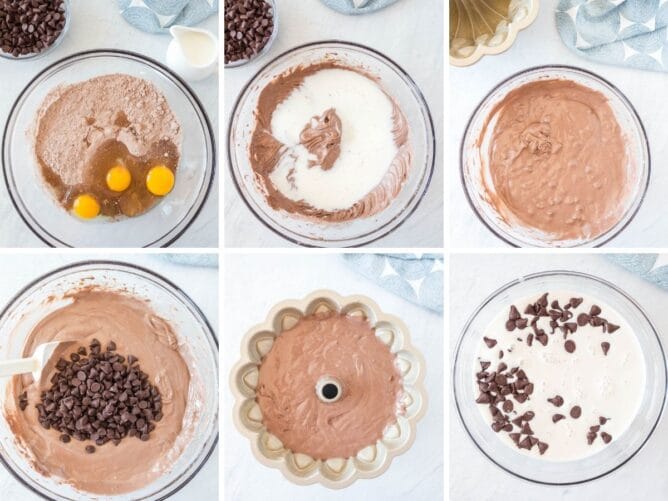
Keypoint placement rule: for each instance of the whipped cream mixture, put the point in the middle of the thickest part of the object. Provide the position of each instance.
(334, 346)
(555, 160)
(136, 330)
(603, 381)
(330, 143)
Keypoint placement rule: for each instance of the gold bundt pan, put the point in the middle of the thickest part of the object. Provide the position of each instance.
(480, 27)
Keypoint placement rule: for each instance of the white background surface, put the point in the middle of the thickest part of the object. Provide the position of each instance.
(201, 284)
(97, 24)
(473, 476)
(411, 33)
(540, 44)
(253, 285)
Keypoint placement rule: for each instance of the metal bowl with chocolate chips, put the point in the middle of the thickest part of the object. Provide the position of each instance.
(559, 378)
(30, 29)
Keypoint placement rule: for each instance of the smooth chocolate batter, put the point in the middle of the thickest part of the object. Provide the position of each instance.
(557, 160)
(136, 330)
(322, 138)
(337, 346)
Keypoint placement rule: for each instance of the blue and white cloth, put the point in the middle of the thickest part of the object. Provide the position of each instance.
(157, 16)
(652, 267)
(364, 6)
(622, 32)
(416, 278)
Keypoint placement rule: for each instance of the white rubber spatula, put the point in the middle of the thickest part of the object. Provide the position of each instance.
(33, 364)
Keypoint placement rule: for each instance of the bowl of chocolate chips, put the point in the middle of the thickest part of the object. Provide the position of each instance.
(30, 29)
(126, 407)
(250, 30)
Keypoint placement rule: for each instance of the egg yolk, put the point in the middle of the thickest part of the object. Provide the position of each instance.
(118, 178)
(160, 180)
(86, 206)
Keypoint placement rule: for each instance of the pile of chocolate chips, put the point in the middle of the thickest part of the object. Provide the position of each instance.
(560, 318)
(30, 26)
(248, 27)
(502, 386)
(100, 396)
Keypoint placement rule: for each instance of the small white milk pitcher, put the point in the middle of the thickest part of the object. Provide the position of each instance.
(192, 53)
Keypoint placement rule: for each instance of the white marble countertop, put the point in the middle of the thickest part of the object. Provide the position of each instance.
(411, 33)
(254, 283)
(97, 24)
(473, 476)
(200, 283)
(539, 45)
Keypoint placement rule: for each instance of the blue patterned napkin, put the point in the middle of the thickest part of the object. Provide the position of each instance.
(622, 32)
(157, 16)
(418, 279)
(652, 267)
(365, 6)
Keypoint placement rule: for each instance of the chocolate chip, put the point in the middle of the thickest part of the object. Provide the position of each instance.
(526, 429)
(605, 346)
(569, 346)
(491, 343)
(514, 314)
(612, 327)
(594, 429)
(515, 437)
(576, 412)
(508, 406)
(65, 438)
(528, 415)
(521, 323)
(594, 311)
(90, 449)
(542, 447)
(510, 325)
(602, 420)
(542, 301)
(583, 319)
(530, 339)
(606, 437)
(29, 27)
(591, 436)
(557, 417)
(575, 302)
(484, 365)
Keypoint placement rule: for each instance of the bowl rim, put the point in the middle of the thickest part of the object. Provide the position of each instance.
(185, 88)
(430, 133)
(613, 232)
(302, 304)
(533, 276)
(152, 275)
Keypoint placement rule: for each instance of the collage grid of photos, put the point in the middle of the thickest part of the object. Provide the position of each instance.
(284, 249)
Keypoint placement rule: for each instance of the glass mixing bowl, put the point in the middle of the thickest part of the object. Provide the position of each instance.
(621, 450)
(474, 163)
(158, 227)
(199, 347)
(349, 233)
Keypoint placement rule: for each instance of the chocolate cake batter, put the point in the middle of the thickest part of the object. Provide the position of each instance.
(337, 346)
(322, 137)
(83, 130)
(136, 330)
(556, 160)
